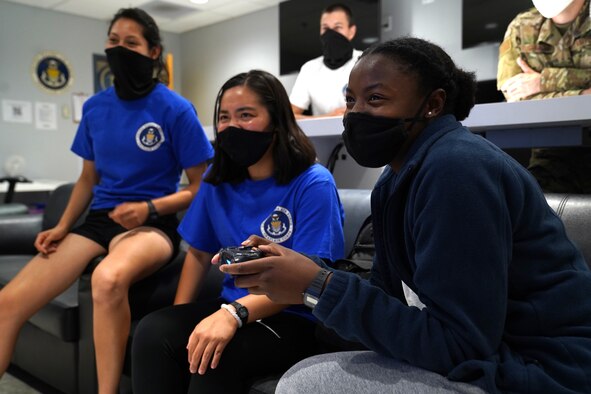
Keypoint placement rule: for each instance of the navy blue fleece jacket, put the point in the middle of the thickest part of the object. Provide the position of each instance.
(507, 294)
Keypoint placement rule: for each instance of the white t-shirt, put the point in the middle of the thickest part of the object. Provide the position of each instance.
(322, 87)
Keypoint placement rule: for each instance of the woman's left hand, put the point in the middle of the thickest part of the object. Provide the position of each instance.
(209, 339)
(130, 214)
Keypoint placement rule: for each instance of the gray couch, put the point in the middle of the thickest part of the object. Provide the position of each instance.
(56, 344)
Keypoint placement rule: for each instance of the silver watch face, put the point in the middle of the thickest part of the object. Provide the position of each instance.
(310, 301)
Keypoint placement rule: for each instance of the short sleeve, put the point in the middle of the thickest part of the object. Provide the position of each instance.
(300, 94)
(196, 227)
(319, 221)
(82, 145)
(189, 139)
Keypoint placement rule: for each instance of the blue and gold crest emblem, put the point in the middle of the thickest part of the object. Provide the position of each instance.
(149, 137)
(52, 72)
(278, 226)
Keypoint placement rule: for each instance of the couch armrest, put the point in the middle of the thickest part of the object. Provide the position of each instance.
(19, 233)
(575, 212)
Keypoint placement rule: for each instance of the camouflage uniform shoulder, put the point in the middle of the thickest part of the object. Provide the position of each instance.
(531, 17)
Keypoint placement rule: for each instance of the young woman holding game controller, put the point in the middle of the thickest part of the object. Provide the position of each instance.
(263, 180)
(502, 295)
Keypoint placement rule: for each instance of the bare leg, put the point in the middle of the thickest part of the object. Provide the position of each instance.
(132, 256)
(41, 280)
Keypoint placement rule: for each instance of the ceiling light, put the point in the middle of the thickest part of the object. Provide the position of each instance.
(199, 1)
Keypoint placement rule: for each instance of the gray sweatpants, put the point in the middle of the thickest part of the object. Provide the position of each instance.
(365, 372)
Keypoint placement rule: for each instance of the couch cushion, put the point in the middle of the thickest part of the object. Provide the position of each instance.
(575, 212)
(19, 233)
(60, 316)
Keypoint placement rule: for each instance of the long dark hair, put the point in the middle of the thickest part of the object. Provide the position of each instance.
(150, 31)
(434, 69)
(292, 150)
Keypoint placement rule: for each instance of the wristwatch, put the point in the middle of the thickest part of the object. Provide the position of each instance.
(152, 212)
(241, 311)
(313, 292)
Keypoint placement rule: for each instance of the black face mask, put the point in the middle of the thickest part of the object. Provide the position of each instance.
(132, 71)
(336, 49)
(373, 141)
(244, 147)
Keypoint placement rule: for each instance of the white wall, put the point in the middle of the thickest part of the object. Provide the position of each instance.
(204, 59)
(213, 54)
(24, 33)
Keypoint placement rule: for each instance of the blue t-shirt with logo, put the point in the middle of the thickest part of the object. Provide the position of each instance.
(139, 147)
(305, 215)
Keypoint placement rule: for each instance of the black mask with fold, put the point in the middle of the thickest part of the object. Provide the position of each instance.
(133, 73)
(244, 147)
(374, 141)
(336, 49)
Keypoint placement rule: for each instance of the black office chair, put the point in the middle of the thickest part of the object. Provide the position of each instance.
(8, 207)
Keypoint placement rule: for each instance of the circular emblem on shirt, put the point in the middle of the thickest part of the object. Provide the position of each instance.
(52, 72)
(149, 137)
(278, 226)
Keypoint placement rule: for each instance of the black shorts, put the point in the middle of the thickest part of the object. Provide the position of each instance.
(100, 228)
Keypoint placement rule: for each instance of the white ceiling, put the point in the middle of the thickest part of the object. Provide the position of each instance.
(176, 16)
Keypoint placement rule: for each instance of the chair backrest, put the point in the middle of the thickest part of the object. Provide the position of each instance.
(357, 206)
(56, 204)
(575, 212)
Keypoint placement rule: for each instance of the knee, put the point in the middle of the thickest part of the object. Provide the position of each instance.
(8, 304)
(108, 288)
(147, 331)
(12, 313)
(152, 335)
(296, 380)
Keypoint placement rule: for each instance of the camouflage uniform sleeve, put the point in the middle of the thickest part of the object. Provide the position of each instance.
(546, 95)
(560, 79)
(508, 54)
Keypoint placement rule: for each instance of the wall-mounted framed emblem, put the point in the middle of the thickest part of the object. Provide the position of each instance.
(52, 72)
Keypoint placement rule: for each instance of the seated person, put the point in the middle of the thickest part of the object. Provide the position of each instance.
(321, 82)
(503, 295)
(263, 180)
(547, 53)
(135, 139)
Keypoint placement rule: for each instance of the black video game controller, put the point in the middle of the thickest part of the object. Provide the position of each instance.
(238, 254)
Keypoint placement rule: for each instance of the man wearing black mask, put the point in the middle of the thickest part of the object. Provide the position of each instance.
(322, 81)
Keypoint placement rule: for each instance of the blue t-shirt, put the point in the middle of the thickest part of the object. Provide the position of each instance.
(305, 215)
(139, 147)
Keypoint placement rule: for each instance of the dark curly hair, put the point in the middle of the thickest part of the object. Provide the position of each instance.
(434, 69)
(293, 151)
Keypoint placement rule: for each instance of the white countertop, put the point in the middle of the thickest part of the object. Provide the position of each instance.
(38, 185)
(527, 116)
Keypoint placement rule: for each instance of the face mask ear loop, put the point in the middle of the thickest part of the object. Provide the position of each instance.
(417, 118)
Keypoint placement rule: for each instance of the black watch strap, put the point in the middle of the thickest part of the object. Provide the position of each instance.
(314, 291)
(152, 212)
(241, 311)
